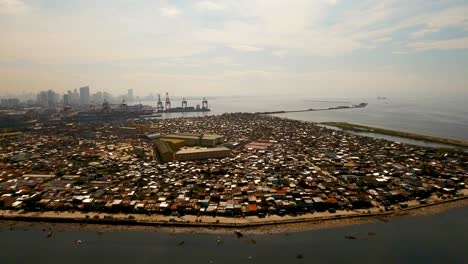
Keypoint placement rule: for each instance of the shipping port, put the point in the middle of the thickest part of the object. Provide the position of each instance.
(167, 108)
(108, 113)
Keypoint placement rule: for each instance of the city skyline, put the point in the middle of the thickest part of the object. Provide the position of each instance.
(328, 48)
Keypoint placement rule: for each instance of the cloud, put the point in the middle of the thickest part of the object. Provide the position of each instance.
(13, 7)
(299, 35)
(209, 6)
(245, 48)
(169, 12)
(449, 44)
(451, 17)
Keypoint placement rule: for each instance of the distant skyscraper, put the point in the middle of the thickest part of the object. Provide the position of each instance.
(84, 95)
(10, 102)
(130, 95)
(97, 98)
(76, 97)
(51, 99)
(66, 99)
(42, 99)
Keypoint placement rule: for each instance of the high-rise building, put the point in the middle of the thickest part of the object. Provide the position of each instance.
(66, 100)
(130, 95)
(76, 97)
(97, 98)
(42, 99)
(51, 99)
(9, 102)
(84, 96)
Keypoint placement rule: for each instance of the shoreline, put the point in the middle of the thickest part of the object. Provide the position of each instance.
(261, 226)
(389, 132)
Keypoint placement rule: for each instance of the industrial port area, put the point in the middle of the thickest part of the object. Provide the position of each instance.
(84, 107)
(236, 165)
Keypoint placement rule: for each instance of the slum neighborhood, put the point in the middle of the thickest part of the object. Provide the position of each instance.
(232, 165)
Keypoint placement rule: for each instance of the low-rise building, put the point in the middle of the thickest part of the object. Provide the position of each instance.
(202, 153)
(207, 140)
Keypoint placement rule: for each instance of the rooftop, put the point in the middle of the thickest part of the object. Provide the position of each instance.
(201, 150)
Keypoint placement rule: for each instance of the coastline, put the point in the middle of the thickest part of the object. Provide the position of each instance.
(369, 129)
(226, 225)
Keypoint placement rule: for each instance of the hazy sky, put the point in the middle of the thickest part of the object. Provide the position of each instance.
(315, 47)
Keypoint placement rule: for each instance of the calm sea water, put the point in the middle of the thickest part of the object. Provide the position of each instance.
(436, 239)
(443, 117)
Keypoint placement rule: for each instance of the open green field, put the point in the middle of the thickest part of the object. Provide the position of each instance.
(362, 128)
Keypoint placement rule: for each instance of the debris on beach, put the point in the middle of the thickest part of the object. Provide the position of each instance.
(350, 237)
(181, 243)
(238, 233)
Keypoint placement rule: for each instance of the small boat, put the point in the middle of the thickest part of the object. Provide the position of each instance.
(181, 243)
(219, 241)
(350, 237)
(79, 241)
(49, 234)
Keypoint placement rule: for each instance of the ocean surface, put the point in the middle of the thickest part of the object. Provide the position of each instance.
(441, 238)
(443, 117)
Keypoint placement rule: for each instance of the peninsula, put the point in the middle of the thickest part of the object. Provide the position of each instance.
(232, 170)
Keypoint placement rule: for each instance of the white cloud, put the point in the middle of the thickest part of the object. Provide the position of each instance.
(449, 44)
(169, 11)
(13, 7)
(209, 6)
(245, 48)
(184, 51)
(450, 17)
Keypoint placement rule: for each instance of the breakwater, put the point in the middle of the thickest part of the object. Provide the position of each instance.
(361, 105)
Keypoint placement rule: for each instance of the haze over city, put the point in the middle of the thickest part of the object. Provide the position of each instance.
(316, 48)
